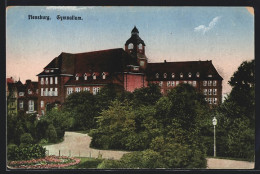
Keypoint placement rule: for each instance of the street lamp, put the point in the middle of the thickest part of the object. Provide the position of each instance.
(214, 121)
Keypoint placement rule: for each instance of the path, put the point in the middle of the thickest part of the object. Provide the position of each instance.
(228, 164)
(77, 144)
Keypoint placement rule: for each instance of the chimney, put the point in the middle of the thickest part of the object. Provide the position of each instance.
(28, 81)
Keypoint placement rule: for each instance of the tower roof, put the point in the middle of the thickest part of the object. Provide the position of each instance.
(135, 30)
(135, 39)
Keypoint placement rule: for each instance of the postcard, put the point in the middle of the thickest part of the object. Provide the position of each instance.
(109, 87)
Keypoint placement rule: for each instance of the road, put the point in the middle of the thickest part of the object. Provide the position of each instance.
(77, 144)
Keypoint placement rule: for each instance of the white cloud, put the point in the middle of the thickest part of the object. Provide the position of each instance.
(67, 8)
(204, 29)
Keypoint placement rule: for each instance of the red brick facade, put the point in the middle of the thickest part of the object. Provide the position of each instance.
(128, 68)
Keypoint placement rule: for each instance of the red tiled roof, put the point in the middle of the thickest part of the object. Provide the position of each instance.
(203, 67)
(113, 60)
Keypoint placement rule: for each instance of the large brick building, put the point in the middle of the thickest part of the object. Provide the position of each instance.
(89, 71)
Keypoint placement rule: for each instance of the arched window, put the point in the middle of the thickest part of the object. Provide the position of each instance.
(198, 74)
(181, 75)
(189, 75)
(173, 75)
(140, 46)
(130, 46)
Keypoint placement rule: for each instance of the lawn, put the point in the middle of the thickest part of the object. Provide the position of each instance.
(86, 163)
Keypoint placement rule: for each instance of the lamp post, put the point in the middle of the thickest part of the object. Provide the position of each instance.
(214, 121)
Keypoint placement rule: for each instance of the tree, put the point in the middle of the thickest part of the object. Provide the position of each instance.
(146, 95)
(237, 115)
(114, 126)
(83, 108)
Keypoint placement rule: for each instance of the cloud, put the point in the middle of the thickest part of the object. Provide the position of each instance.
(204, 29)
(67, 8)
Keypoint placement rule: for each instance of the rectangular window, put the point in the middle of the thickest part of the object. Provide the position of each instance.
(78, 89)
(86, 89)
(85, 77)
(210, 100)
(194, 83)
(214, 91)
(185, 82)
(206, 99)
(98, 89)
(46, 80)
(173, 83)
(210, 91)
(51, 80)
(215, 100)
(209, 83)
(31, 105)
(205, 91)
(215, 83)
(94, 90)
(190, 82)
(56, 92)
(204, 83)
(160, 83)
(42, 94)
(51, 92)
(21, 104)
(56, 80)
(177, 83)
(21, 93)
(42, 81)
(42, 103)
(168, 83)
(69, 91)
(46, 92)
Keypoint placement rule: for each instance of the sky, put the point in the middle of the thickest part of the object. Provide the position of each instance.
(224, 35)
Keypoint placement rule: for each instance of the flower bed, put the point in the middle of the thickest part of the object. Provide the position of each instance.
(44, 163)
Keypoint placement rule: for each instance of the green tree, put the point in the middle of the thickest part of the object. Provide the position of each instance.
(83, 108)
(237, 115)
(146, 95)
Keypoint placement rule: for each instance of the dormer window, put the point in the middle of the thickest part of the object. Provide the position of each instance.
(209, 75)
(46, 70)
(189, 75)
(157, 75)
(165, 75)
(85, 77)
(29, 91)
(198, 74)
(77, 77)
(52, 70)
(103, 75)
(181, 75)
(173, 75)
(130, 46)
(94, 76)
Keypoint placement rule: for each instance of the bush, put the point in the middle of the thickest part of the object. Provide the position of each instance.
(31, 151)
(51, 133)
(11, 151)
(110, 164)
(26, 138)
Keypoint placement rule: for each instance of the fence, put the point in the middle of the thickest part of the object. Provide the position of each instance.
(75, 153)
